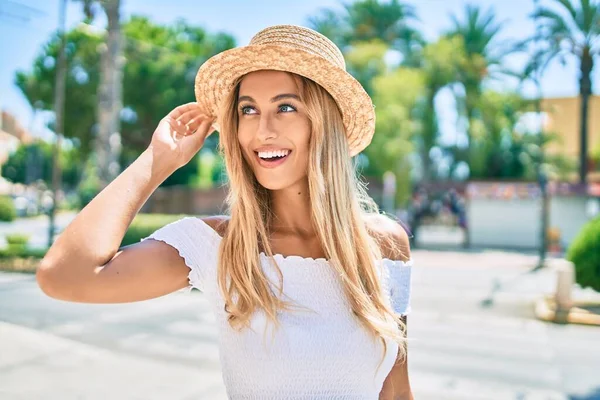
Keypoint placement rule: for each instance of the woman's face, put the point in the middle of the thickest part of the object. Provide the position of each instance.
(274, 128)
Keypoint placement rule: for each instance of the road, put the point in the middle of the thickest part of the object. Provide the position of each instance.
(35, 227)
(166, 348)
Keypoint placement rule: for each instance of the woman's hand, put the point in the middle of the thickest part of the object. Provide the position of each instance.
(181, 134)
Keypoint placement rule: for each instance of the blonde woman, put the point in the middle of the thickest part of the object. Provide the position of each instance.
(309, 283)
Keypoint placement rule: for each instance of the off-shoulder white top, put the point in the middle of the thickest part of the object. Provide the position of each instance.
(320, 354)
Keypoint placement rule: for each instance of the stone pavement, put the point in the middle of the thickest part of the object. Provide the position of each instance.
(35, 227)
(460, 346)
(38, 365)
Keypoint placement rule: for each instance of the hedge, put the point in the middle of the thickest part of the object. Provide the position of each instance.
(8, 212)
(584, 252)
(144, 225)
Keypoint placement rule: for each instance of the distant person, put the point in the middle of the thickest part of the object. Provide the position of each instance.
(309, 283)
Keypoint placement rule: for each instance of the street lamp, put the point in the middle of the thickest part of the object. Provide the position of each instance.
(541, 174)
(59, 106)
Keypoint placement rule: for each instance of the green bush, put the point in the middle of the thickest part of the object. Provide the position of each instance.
(86, 192)
(21, 252)
(584, 252)
(17, 239)
(145, 224)
(8, 211)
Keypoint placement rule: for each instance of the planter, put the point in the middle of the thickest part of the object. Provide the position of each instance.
(19, 264)
(586, 313)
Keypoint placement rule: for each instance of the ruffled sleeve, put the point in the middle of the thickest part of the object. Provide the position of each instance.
(197, 244)
(398, 283)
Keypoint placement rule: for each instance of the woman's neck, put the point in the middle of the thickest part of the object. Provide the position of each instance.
(292, 210)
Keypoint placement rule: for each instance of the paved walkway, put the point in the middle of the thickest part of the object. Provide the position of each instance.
(166, 348)
(38, 365)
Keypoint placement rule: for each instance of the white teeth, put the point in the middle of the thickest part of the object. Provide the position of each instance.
(271, 154)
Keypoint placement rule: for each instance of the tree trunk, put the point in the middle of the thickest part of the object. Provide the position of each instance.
(429, 133)
(585, 91)
(471, 97)
(108, 140)
(59, 113)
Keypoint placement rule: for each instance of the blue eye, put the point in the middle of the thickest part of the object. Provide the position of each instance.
(245, 108)
(283, 106)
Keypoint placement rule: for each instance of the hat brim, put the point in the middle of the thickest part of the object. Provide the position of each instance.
(216, 78)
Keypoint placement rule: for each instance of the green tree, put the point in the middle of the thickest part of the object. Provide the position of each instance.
(110, 103)
(441, 63)
(571, 29)
(500, 152)
(366, 60)
(396, 94)
(366, 20)
(479, 31)
(389, 21)
(32, 162)
(505, 149)
(162, 61)
(83, 73)
(331, 24)
(366, 30)
(584, 252)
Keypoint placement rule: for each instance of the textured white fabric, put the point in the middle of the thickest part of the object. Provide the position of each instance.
(320, 354)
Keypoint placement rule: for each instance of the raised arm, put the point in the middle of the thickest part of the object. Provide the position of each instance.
(85, 263)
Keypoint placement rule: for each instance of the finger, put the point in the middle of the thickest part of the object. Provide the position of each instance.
(177, 130)
(193, 124)
(189, 116)
(182, 127)
(177, 127)
(203, 131)
(179, 110)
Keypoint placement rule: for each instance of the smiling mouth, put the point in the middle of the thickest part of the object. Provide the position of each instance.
(273, 161)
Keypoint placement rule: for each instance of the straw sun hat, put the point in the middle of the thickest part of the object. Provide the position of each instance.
(301, 51)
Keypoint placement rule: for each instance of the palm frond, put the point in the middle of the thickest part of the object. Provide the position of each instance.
(596, 24)
(479, 29)
(539, 62)
(586, 17)
(330, 24)
(552, 21)
(567, 4)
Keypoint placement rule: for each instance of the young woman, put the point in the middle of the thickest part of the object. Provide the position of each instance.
(309, 283)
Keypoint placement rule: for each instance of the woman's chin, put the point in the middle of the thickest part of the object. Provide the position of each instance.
(273, 183)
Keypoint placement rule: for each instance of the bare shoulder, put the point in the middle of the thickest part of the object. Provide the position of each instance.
(392, 237)
(219, 223)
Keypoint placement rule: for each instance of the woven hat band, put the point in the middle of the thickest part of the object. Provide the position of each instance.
(303, 39)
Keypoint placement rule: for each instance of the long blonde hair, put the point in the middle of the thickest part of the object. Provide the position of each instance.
(339, 204)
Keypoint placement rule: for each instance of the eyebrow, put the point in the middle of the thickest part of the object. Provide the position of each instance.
(274, 99)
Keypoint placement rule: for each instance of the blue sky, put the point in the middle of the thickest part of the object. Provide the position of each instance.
(22, 39)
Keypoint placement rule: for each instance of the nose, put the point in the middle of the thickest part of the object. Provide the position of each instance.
(266, 128)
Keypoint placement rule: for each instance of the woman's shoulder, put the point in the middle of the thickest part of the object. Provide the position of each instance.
(391, 235)
(210, 227)
(218, 223)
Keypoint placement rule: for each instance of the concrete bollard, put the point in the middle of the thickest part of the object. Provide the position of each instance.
(565, 279)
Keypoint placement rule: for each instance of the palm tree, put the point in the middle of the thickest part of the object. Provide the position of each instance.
(572, 30)
(368, 20)
(440, 64)
(331, 24)
(386, 21)
(110, 103)
(484, 57)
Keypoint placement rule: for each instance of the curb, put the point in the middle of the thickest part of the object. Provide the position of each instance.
(545, 309)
